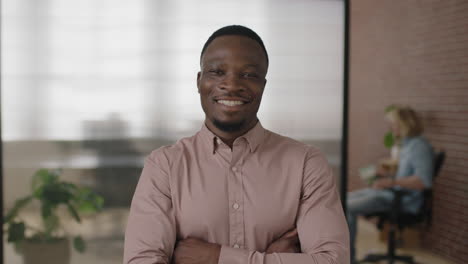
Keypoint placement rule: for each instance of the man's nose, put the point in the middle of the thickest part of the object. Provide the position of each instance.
(231, 82)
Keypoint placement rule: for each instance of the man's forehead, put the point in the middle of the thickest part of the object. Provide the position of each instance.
(234, 40)
(243, 46)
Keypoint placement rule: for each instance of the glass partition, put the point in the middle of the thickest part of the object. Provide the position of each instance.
(92, 86)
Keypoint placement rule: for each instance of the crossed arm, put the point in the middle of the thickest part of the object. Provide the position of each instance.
(321, 227)
(196, 251)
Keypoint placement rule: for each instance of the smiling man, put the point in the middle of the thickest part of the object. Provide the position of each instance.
(235, 193)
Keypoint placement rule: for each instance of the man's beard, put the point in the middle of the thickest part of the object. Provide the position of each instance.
(228, 127)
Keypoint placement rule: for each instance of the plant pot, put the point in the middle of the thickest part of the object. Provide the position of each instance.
(57, 252)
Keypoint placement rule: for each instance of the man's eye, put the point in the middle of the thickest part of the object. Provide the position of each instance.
(216, 72)
(249, 75)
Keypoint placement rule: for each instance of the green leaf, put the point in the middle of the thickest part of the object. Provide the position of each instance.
(72, 188)
(16, 232)
(37, 193)
(73, 212)
(43, 177)
(46, 209)
(51, 224)
(56, 194)
(389, 140)
(79, 244)
(390, 108)
(98, 202)
(18, 205)
(88, 201)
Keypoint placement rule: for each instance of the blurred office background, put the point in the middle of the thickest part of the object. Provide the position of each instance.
(92, 86)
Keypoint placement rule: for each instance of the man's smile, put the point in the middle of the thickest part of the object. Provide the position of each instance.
(231, 103)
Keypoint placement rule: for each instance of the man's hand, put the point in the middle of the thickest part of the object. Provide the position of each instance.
(195, 251)
(383, 183)
(287, 243)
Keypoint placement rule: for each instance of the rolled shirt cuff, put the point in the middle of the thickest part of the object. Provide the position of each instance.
(229, 255)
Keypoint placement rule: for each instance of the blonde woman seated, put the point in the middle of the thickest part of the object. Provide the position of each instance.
(413, 173)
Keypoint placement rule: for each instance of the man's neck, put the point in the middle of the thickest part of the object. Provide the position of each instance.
(228, 137)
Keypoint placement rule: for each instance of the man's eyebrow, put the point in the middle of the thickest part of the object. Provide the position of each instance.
(255, 65)
(212, 62)
(219, 63)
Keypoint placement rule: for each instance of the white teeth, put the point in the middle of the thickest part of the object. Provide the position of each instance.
(230, 103)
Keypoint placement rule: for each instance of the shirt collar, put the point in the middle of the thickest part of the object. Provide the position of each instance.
(254, 137)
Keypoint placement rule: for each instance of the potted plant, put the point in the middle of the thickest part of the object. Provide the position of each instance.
(390, 142)
(369, 173)
(389, 139)
(50, 243)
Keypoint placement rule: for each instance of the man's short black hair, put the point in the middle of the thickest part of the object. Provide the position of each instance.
(236, 30)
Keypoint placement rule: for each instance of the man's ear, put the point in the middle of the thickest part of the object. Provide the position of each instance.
(198, 81)
(264, 83)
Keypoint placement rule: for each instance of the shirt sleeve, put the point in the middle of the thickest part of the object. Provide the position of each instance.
(321, 223)
(150, 235)
(422, 161)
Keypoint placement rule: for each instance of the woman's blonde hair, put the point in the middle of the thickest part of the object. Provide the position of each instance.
(409, 122)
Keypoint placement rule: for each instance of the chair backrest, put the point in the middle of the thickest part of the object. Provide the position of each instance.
(439, 159)
(426, 211)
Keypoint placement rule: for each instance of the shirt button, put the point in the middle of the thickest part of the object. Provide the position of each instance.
(234, 169)
(236, 246)
(235, 206)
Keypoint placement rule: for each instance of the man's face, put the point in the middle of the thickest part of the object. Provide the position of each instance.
(231, 82)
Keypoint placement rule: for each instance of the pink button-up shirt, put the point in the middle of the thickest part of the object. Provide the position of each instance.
(243, 199)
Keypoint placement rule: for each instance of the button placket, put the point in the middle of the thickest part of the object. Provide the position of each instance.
(233, 189)
(236, 210)
(238, 227)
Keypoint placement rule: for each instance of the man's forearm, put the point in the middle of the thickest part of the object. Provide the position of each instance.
(243, 256)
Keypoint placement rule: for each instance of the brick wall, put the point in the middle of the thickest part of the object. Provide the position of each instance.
(416, 53)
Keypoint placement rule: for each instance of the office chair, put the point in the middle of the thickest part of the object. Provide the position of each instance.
(399, 219)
